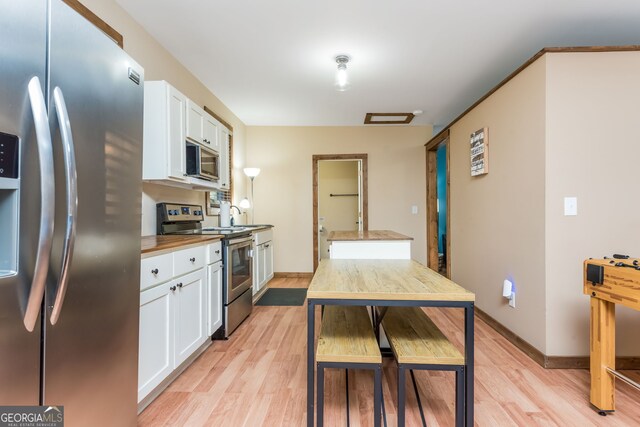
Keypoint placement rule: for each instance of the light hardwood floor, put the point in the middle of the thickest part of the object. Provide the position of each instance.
(258, 378)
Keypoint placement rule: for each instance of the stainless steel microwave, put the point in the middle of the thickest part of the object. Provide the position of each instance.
(202, 162)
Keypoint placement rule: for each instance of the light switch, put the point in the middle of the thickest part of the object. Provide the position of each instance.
(570, 206)
(414, 209)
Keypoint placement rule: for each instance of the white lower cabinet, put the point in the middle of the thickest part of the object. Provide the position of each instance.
(177, 317)
(262, 259)
(214, 297)
(257, 268)
(156, 353)
(190, 314)
(268, 261)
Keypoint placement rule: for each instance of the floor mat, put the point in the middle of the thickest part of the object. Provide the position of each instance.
(283, 296)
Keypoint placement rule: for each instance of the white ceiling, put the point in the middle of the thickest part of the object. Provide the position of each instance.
(272, 61)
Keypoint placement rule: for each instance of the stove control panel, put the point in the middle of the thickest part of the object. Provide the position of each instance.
(169, 212)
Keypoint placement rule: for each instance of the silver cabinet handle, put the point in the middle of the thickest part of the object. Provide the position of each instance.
(47, 203)
(71, 177)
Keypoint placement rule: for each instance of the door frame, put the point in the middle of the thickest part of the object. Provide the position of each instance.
(432, 202)
(365, 199)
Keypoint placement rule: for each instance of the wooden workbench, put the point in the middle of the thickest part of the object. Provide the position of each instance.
(608, 282)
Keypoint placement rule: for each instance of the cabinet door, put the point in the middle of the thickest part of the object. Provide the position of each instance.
(261, 265)
(195, 122)
(156, 351)
(214, 297)
(256, 269)
(190, 314)
(176, 122)
(211, 138)
(225, 177)
(268, 262)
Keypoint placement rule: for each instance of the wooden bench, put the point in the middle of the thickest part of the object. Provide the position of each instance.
(417, 343)
(347, 341)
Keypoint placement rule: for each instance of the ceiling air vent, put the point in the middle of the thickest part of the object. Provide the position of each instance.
(388, 118)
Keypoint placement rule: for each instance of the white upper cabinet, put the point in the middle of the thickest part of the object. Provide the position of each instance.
(225, 173)
(195, 122)
(211, 138)
(164, 132)
(170, 120)
(202, 127)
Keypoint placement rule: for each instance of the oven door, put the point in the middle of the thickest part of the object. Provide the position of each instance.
(238, 267)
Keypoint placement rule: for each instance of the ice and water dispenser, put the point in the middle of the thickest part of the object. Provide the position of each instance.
(9, 203)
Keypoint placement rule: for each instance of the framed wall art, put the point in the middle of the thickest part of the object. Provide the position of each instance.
(479, 143)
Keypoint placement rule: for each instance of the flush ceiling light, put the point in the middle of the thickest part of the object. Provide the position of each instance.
(342, 80)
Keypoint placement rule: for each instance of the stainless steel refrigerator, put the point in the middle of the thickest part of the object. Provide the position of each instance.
(71, 108)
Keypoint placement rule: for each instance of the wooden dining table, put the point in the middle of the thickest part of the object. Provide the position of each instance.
(385, 283)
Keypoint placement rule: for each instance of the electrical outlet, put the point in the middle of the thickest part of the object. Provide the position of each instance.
(512, 300)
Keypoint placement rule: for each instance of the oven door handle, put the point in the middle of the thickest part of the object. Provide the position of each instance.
(239, 240)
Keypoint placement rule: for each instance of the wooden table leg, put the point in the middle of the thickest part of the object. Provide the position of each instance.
(603, 353)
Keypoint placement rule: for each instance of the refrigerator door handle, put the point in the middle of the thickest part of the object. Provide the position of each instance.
(47, 203)
(71, 176)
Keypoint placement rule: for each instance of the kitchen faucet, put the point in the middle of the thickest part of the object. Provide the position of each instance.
(239, 213)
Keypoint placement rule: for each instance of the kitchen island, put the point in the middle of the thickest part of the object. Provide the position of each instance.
(369, 244)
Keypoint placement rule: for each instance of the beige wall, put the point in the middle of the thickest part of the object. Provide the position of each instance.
(497, 220)
(160, 65)
(565, 126)
(283, 190)
(336, 213)
(593, 117)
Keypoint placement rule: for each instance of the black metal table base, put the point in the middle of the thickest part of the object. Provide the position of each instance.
(464, 412)
(377, 387)
(460, 389)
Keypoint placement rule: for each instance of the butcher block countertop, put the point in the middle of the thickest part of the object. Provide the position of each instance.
(366, 235)
(162, 243)
(376, 279)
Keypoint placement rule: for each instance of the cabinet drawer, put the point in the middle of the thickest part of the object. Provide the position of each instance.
(214, 252)
(263, 236)
(188, 260)
(155, 270)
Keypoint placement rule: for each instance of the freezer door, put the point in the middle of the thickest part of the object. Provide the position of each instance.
(91, 344)
(22, 57)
